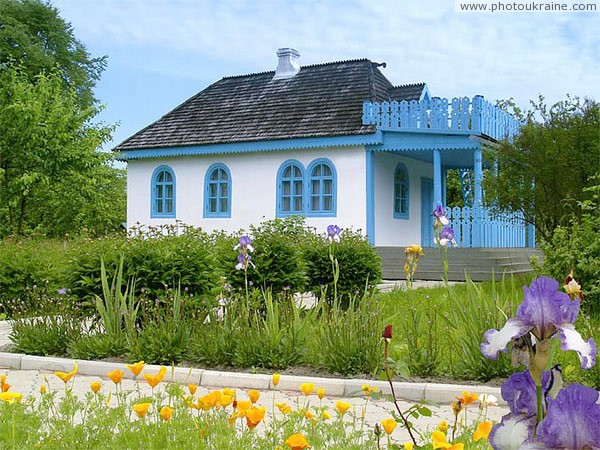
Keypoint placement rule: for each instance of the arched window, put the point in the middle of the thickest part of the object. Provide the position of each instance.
(217, 191)
(290, 188)
(401, 192)
(321, 188)
(163, 192)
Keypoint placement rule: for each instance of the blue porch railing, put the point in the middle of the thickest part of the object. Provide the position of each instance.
(477, 116)
(477, 227)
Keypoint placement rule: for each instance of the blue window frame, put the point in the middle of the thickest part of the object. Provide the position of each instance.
(217, 191)
(290, 188)
(322, 190)
(162, 192)
(401, 191)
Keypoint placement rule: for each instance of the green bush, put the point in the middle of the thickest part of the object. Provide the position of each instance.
(577, 248)
(96, 346)
(279, 266)
(30, 264)
(358, 262)
(155, 263)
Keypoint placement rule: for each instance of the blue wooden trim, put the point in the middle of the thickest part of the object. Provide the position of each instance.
(207, 182)
(477, 177)
(370, 181)
(249, 147)
(400, 167)
(153, 193)
(279, 195)
(307, 189)
(437, 177)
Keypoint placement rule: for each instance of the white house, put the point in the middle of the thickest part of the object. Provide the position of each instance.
(337, 143)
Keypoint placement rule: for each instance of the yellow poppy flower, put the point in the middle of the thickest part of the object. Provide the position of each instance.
(141, 409)
(325, 415)
(192, 388)
(10, 397)
(342, 407)
(276, 378)
(307, 388)
(284, 407)
(408, 446)
(254, 416)
(229, 391)
(66, 376)
(116, 376)
(253, 395)
(43, 389)
(226, 400)
(95, 386)
(308, 415)
(321, 393)
(136, 368)
(443, 426)
(389, 425)
(166, 413)
(482, 431)
(439, 440)
(297, 442)
(233, 417)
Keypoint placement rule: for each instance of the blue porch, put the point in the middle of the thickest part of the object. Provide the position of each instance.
(449, 134)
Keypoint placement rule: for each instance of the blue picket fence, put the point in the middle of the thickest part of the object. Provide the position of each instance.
(477, 227)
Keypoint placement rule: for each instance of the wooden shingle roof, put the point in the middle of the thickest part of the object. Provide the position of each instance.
(321, 100)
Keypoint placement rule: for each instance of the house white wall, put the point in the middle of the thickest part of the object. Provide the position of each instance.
(253, 184)
(390, 231)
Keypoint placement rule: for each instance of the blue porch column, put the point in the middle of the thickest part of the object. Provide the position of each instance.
(437, 178)
(477, 198)
(370, 182)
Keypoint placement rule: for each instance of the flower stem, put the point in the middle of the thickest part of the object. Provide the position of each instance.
(540, 404)
(389, 378)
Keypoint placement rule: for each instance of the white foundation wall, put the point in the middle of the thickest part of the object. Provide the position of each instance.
(390, 231)
(253, 184)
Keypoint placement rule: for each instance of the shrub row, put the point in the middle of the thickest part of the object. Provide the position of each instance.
(288, 257)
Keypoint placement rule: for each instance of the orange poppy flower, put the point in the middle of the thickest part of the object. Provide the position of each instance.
(467, 398)
(116, 376)
(253, 395)
(136, 368)
(166, 413)
(389, 425)
(95, 386)
(5, 387)
(297, 442)
(66, 376)
(154, 380)
(141, 409)
(192, 388)
(320, 393)
(439, 441)
(243, 406)
(254, 416)
(482, 431)
(284, 407)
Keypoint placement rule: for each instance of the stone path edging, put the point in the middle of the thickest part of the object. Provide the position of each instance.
(431, 392)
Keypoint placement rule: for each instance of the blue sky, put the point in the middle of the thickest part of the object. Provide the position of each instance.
(161, 52)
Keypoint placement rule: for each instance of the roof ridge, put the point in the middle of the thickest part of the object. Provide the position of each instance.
(410, 84)
(301, 67)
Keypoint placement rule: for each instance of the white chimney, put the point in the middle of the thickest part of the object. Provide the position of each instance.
(288, 65)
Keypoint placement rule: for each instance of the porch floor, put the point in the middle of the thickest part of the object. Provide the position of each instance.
(480, 264)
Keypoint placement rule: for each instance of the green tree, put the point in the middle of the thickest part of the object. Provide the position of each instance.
(51, 173)
(543, 174)
(35, 37)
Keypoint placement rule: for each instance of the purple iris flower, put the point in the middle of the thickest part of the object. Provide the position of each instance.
(447, 236)
(545, 312)
(573, 419)
(244, 244)
(439, 211)
(519, 391)
(333, 233)
(513, 433)
(62, 291)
